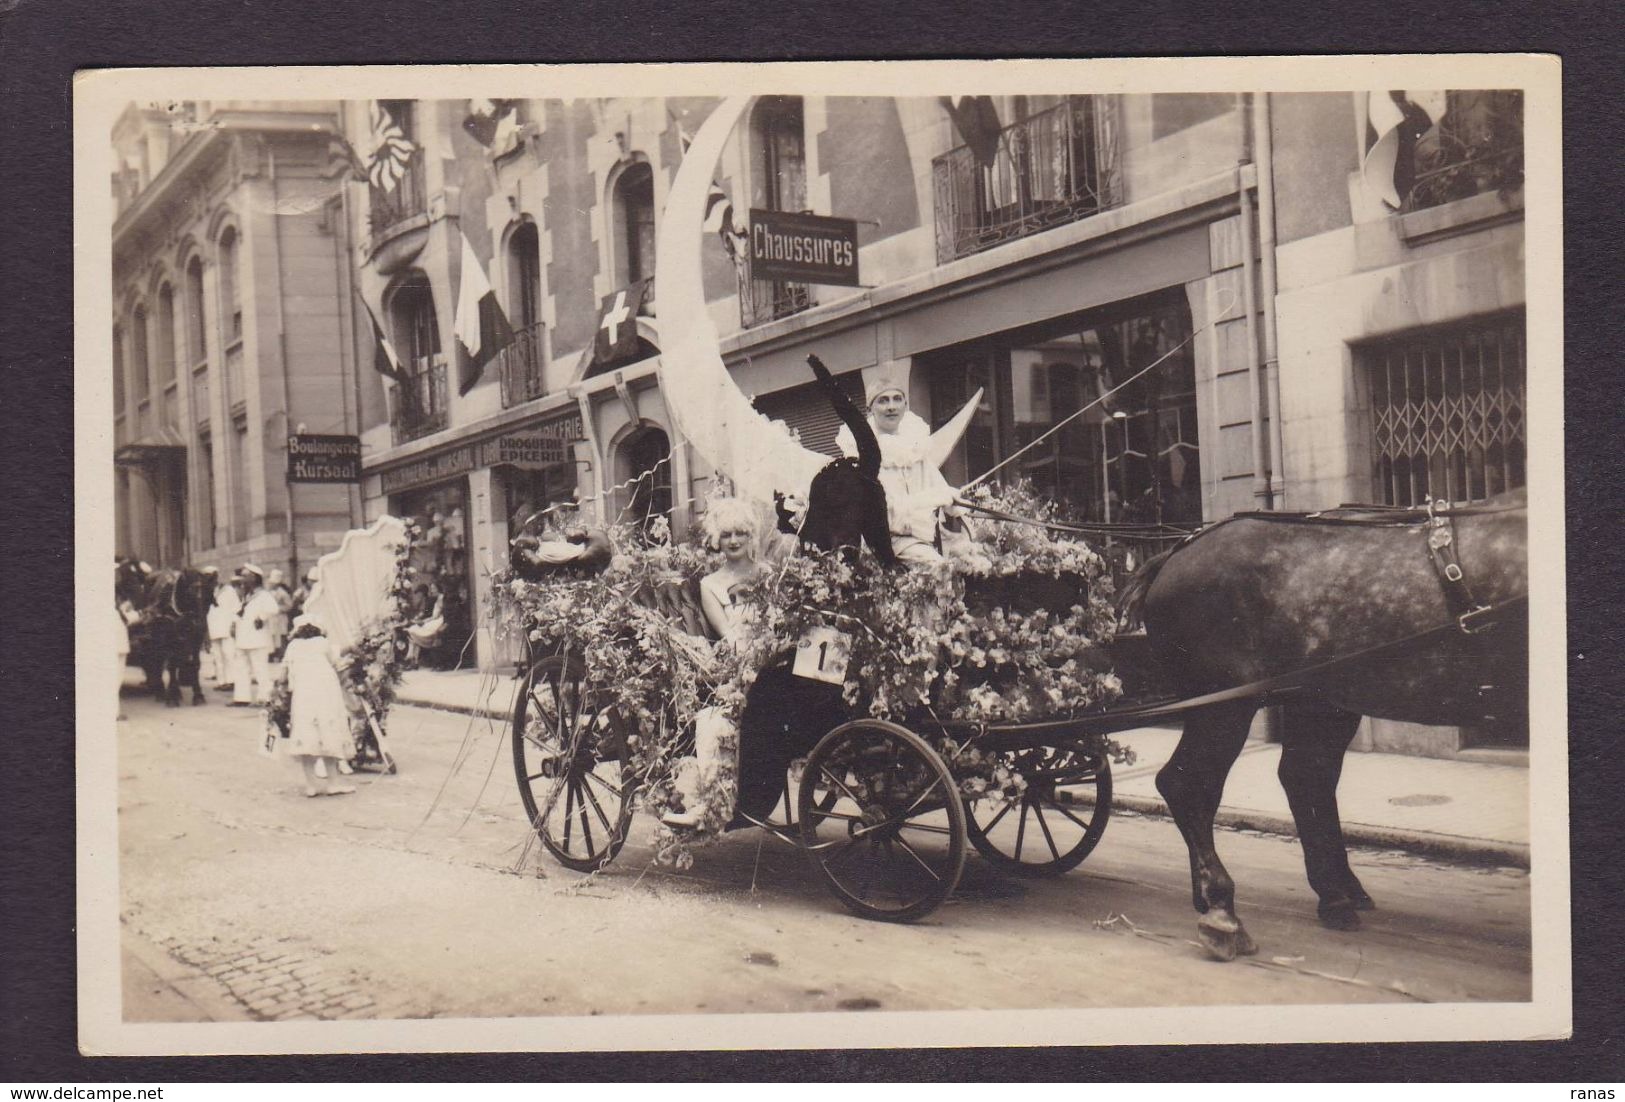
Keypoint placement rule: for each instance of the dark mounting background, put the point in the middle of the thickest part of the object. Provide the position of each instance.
(42, 42)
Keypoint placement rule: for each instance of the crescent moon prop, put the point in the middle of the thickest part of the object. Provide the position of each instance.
(707, 407)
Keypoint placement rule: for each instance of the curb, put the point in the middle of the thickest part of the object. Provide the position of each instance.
(455, 709)
(207, 996)
(1473, 851)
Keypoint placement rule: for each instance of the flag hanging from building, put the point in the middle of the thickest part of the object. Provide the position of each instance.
(494, 123)
(1393, 123)
(977, 121)
(342, 159)
(384, 358)
(617, 337)
(389, 149)
(482, 328)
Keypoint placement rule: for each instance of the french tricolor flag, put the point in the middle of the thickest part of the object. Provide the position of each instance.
(482, 328)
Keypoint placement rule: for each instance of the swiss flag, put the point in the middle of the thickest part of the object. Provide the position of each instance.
(617, 337)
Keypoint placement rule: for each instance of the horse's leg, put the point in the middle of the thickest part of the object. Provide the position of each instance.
(194, 671)
(1192, 783)
(1316, 739)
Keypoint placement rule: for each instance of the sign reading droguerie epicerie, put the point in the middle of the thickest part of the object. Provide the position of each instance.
(531, 448)
(806, 248)
(313, 458)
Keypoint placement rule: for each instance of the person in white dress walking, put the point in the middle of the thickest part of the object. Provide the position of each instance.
(319, 723)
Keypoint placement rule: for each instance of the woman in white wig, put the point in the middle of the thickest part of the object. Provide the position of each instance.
(732, 526)
(915, 488)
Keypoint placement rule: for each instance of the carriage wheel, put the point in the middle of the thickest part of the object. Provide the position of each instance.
(881, 821)
(571, 763)
(1055, 823)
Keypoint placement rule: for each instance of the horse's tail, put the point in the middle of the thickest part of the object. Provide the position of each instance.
(1131, 602)
(852, 417)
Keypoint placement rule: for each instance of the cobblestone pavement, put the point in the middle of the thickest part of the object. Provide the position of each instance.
(279, 979)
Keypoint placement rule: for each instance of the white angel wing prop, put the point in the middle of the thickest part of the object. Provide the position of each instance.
(353, 584)
(705, 404)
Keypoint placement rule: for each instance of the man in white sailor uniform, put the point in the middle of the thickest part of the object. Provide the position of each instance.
(254, 639)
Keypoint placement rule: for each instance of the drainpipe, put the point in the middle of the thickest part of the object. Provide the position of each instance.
(282, 353)
(1264, 159)
(350, 380)
(1249, 298)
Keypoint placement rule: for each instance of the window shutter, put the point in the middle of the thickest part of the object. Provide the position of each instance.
(805, 409)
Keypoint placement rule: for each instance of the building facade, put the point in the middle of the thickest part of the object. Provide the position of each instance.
(230, 271)
(1312, 346)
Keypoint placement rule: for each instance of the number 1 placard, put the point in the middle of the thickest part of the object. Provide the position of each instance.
(821, 655)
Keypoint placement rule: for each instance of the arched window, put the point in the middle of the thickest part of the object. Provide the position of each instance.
(524, 362)
(118, 371)
(634, 224)
(197, 345)
(778, 175)
(231, 295)
(166, 336)
(779, 156)
(138, 353)
(525, 276)
(419, 404)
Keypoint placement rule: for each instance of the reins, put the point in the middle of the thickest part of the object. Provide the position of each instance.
(1487, 617)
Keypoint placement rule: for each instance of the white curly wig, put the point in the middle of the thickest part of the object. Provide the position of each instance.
(730, 514)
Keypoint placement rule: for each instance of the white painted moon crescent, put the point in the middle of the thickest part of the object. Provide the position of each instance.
(706, 406)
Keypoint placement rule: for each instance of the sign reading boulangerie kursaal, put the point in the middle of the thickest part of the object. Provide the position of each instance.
(806, 248)
(313, 458)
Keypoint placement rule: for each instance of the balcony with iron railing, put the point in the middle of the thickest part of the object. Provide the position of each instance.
(522, 364)
(765, 300)
(389, 207)
(419, 405)
(1476, 147)
(1053, 167)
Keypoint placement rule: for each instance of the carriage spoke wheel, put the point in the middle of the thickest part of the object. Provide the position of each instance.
(881, 821)
(1055, 823)
(571, 764)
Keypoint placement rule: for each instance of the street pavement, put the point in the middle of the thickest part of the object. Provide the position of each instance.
(425, 895)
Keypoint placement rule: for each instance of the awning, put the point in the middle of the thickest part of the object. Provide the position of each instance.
(150, 450)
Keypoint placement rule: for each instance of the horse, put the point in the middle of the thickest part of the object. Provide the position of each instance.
(174, 606)
(1415, 615)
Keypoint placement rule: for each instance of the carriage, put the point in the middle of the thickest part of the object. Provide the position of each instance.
(880, 808)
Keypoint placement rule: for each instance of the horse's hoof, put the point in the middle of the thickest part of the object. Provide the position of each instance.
(1363, 902)
(199, 699)
(1223, 937)
(1340, 916)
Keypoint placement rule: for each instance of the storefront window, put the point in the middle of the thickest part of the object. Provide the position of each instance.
(1133, 457)
(441, 561)
(528, 494)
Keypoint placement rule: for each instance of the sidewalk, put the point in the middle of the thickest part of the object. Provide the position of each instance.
(1473, 811)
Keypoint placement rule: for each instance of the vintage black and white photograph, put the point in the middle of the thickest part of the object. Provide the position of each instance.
(829, 555)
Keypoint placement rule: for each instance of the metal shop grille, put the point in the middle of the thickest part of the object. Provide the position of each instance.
(1447, 412)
